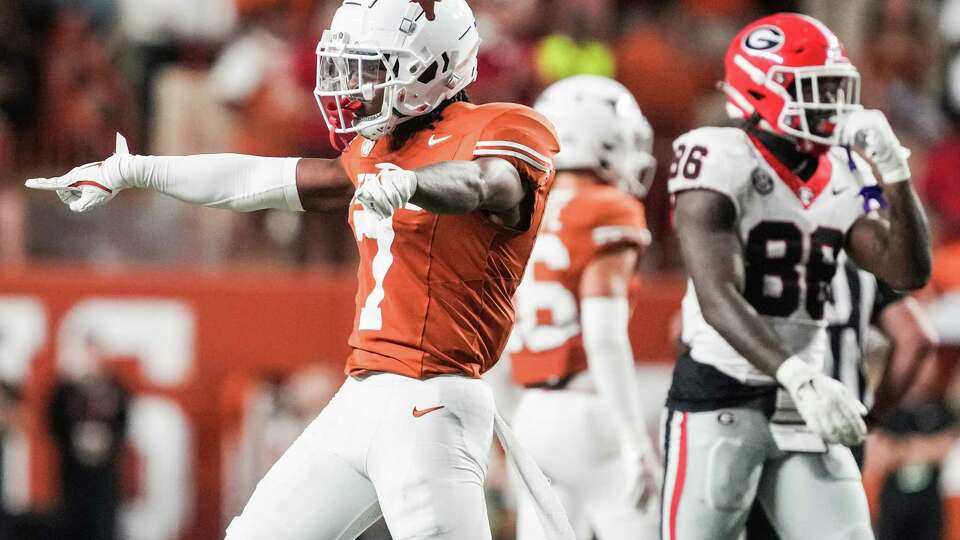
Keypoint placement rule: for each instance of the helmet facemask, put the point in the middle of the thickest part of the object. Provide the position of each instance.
(383, 63)
(634, 167)
(815, 100)
(357, 86)
(635, 174)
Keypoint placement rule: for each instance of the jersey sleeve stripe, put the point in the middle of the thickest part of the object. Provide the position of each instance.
(527, 159)
(518, 146)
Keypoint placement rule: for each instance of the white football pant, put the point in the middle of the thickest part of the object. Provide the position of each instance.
(367, 453)
(719, 461)
(571, 436)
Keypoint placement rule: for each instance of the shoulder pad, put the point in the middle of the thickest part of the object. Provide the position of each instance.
(713, 158)
(731, 143)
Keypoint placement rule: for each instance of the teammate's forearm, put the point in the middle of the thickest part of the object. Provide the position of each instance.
(604, 321)
(231, 181)
(907, 252)
(906, 361)
(913, 343)
(729, 313)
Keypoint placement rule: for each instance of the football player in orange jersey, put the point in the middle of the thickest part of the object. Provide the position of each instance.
(448, 198)
(580, 415)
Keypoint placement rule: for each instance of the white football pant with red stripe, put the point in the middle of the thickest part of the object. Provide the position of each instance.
(719, 461)
(571, 435)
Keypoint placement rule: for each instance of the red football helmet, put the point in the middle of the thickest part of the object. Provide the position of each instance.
(791, 71)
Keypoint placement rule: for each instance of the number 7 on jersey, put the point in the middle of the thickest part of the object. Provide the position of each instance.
(368, 225)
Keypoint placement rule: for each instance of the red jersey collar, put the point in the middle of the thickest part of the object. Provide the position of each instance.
(806, 191)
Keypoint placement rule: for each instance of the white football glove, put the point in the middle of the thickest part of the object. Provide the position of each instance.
(868, 132)
(642, 473)
(91, 185)
(389, 191)
(826, 405)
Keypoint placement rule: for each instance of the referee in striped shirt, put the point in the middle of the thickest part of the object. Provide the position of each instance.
(859, 303)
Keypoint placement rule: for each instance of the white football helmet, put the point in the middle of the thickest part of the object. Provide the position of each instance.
(601, 128)
(393, 49)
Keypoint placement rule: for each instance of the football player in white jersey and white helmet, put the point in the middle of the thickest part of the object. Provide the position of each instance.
(762, 212)
(580, 415)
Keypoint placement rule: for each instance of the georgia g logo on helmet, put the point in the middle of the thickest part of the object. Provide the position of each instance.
(765, 39)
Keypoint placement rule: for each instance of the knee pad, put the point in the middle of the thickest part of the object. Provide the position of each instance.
(733, 471)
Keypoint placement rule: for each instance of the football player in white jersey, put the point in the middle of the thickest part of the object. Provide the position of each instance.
(762, 212)
(580, 415)
(860, 305)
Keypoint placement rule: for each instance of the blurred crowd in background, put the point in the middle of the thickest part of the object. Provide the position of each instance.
(197, 76)
(191, 76)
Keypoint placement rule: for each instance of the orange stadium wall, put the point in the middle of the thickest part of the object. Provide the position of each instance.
(183, 342)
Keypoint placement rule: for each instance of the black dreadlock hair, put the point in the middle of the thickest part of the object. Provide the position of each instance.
(402, 133)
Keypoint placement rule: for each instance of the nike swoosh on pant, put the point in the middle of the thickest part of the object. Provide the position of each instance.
(418, 413)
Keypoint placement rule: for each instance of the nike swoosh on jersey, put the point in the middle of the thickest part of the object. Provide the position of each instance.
(418, 413)
(434, 140)
(837, 191)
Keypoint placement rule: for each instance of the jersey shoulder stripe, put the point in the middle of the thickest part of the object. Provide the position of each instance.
(524, 153)
(518, 146)
(514, 132)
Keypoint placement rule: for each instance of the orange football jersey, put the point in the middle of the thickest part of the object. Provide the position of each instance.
(582, 220)
(435, 291)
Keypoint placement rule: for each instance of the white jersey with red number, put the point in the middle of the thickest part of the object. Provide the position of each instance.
(582, 220)
(792, 232)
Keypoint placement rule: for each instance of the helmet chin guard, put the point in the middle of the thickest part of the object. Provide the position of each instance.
(387, 61)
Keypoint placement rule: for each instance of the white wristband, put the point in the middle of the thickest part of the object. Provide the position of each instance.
(793, 373)
(896, 168)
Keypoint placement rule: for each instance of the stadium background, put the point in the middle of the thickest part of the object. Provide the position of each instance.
(229, 330)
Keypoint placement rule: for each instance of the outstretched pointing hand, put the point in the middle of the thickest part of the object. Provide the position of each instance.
(91, 185)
